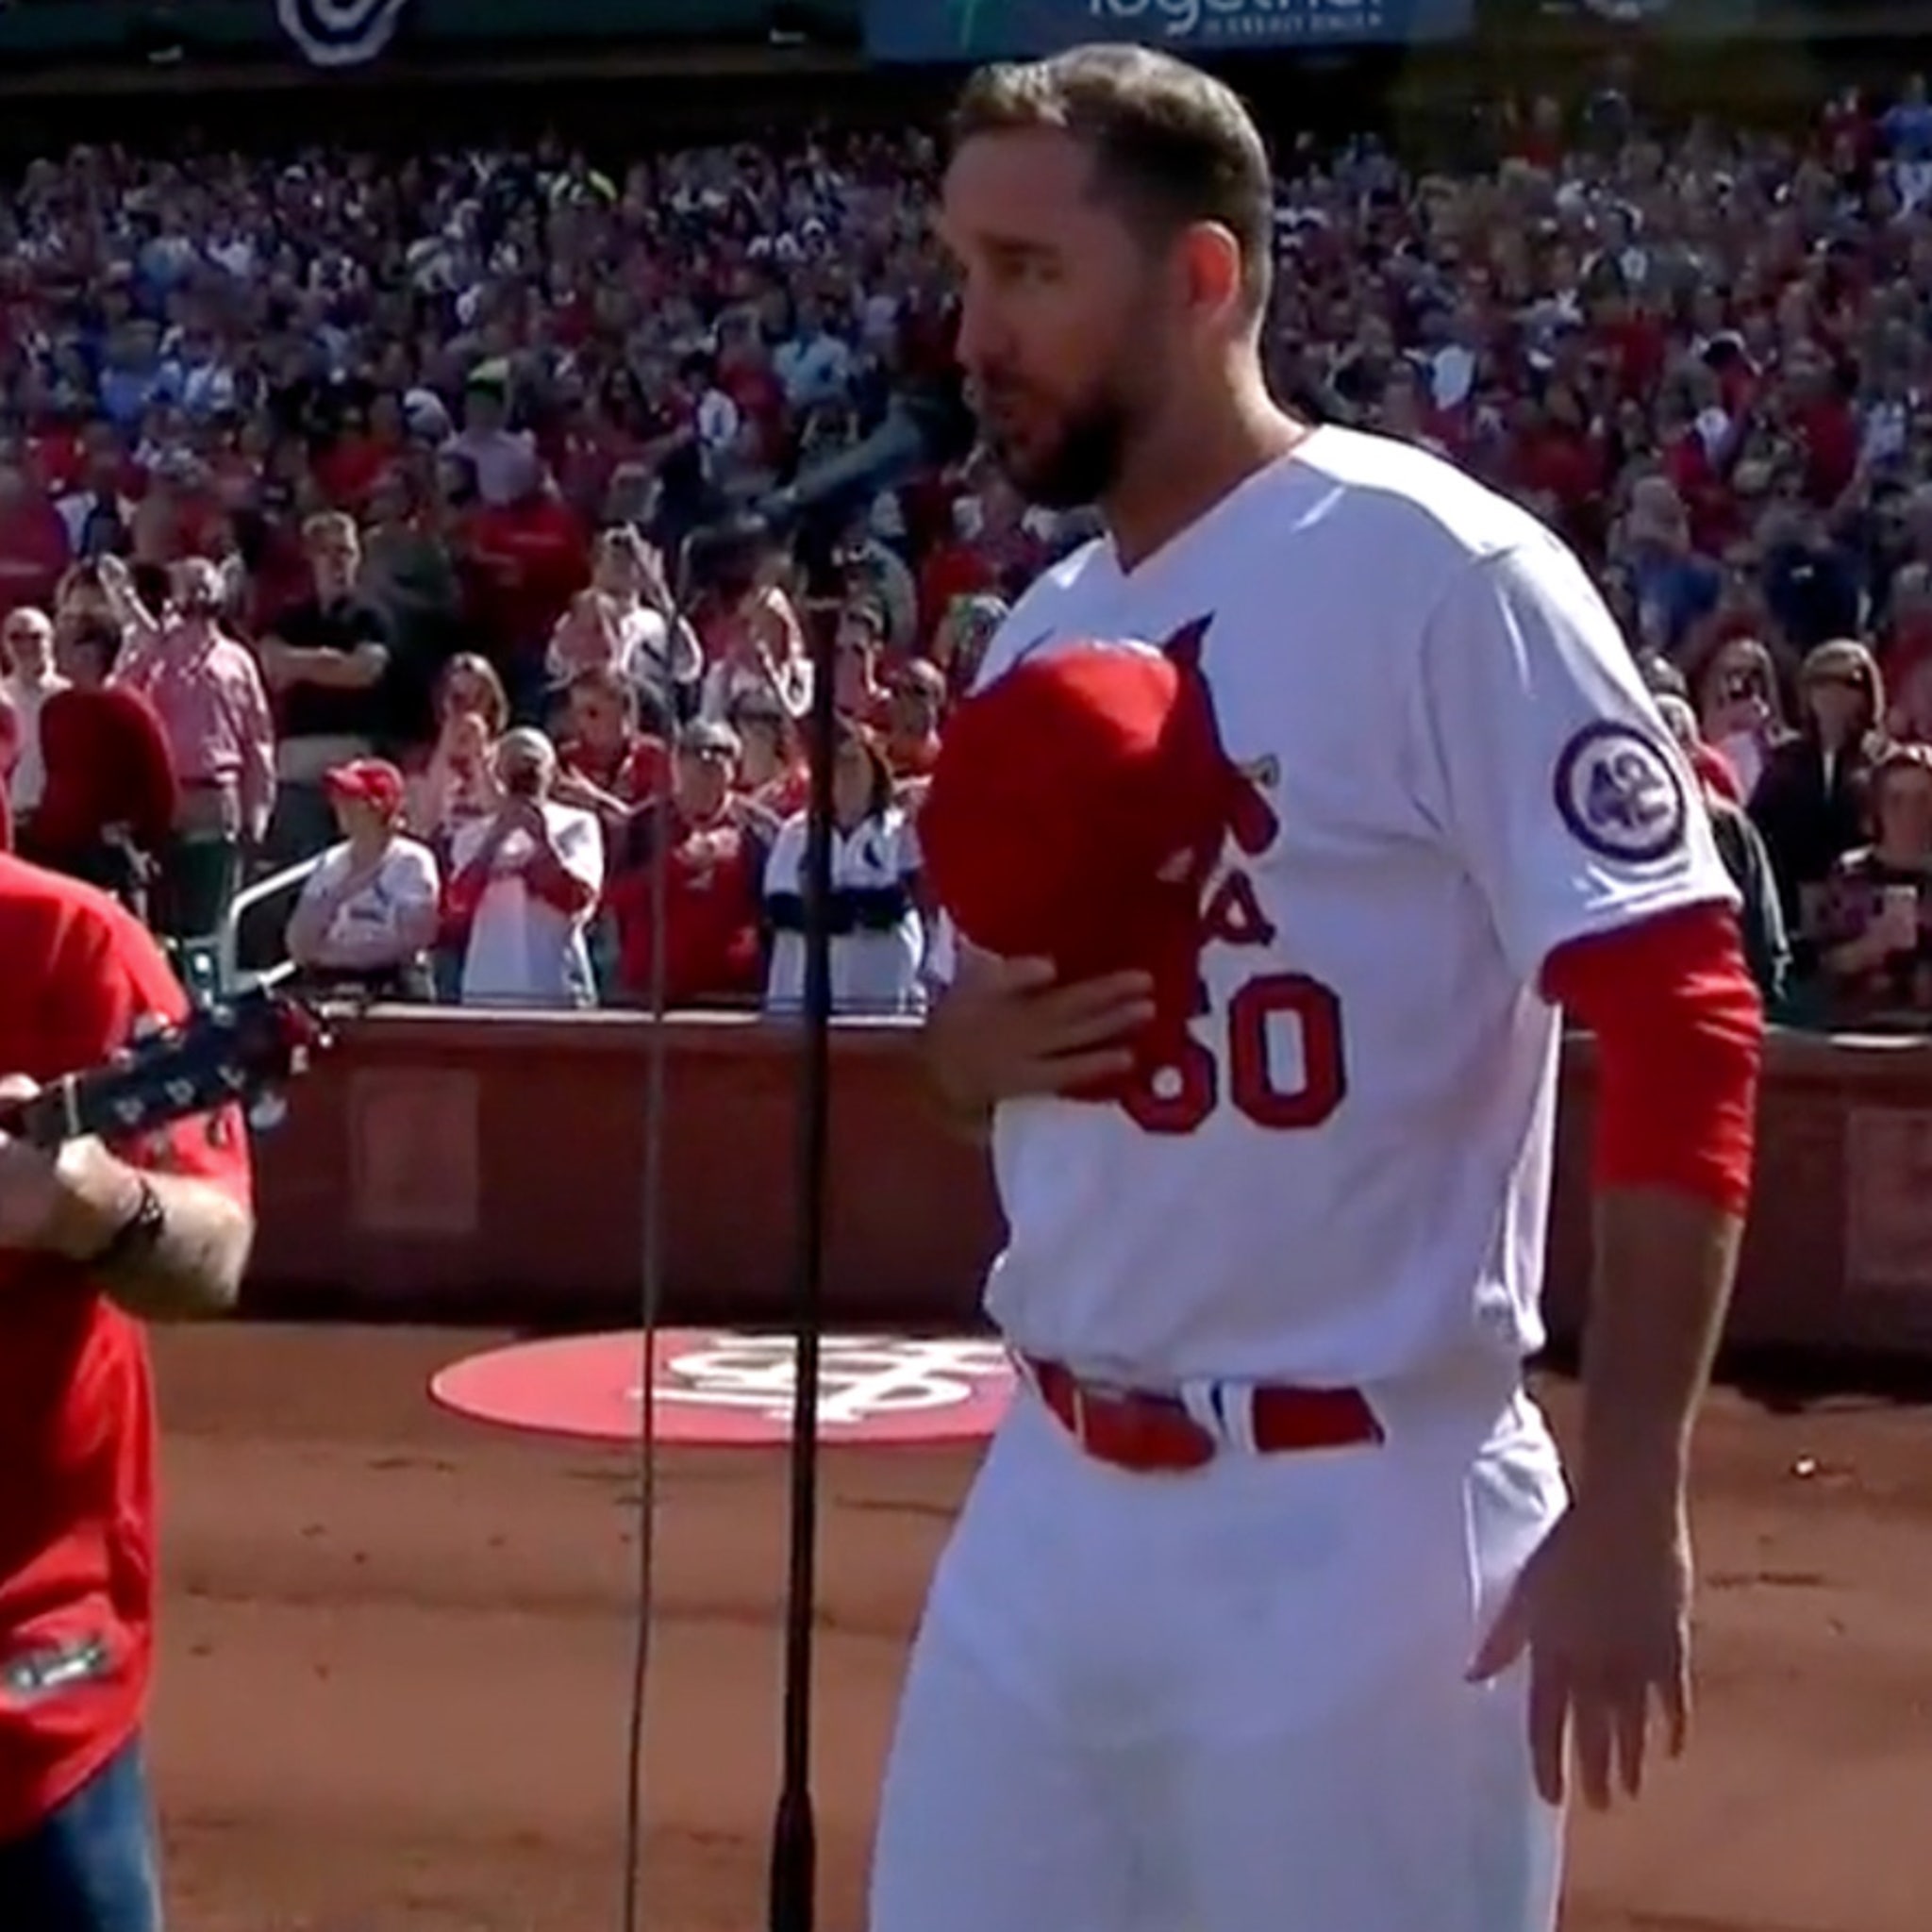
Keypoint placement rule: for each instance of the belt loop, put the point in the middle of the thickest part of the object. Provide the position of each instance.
(1236, 1401)
(1202, 1401)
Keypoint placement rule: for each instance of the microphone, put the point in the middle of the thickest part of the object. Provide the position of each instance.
(925, 428)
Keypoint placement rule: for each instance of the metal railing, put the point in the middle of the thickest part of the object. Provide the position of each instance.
(229, 977)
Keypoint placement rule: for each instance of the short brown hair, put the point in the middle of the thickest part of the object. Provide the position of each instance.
(603, 681)
(1171, 144)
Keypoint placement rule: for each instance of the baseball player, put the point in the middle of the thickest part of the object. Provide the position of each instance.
(92, 1244)
(1270, 1610)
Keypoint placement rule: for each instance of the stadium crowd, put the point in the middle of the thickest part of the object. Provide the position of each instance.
(340, 508)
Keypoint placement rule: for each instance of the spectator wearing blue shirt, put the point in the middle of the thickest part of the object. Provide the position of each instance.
(1675, 587)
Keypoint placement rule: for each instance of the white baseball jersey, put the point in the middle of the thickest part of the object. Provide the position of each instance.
(524, 951)
(1454, 768)
(873, 972)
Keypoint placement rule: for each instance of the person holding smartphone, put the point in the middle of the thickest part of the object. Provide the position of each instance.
(522, 885)
(1875, 936)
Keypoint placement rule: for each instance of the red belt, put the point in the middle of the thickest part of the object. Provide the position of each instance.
(1153, 1434)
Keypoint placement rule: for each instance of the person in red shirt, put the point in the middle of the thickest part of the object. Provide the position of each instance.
(1557, 450)
(93, 1242)
(956, 567)
(712, 845)
(1827, 429)
(35, 550)
(605, 763)
(109, 800)
(1632, 342)
(1906, 657)
(532, 555)
(771, 775)
(916, 704)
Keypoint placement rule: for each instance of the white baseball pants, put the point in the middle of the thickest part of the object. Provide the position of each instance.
(1230, 1701)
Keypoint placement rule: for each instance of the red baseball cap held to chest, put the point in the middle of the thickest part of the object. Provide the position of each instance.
(1075, 808)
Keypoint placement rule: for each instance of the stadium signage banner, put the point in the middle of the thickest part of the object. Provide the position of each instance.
(1000, 29)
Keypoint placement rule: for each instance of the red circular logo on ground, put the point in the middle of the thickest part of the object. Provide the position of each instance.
(714, 1387)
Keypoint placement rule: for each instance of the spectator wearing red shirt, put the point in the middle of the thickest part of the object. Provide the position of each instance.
(1826, 428)
(605, 763)
(12, 731)
(1714, 771)
(1906, 657)
(89, 1248)
(1849, 129)
(1540, 139)
(710, 843)
(955, 567)
(34, 548)
(178, 514)
(367, 446)
(746, 375)
(1633, 343)
(1557, 453)
(915, 706)
(531, 556)
(772, 775)
(107, 809)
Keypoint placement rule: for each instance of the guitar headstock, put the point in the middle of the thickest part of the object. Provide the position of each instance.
(240, 1053)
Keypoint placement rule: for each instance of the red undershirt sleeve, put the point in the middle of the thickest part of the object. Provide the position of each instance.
(1679, 1030)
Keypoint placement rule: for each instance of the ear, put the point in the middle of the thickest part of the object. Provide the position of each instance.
(1210, 260)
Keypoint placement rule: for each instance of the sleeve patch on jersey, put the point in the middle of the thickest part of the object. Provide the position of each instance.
(1620, 794)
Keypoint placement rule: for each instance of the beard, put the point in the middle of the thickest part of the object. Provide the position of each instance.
(1078, 463)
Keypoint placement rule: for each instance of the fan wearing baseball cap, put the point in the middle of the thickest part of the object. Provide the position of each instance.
(1281, 826)
(368, 913)
(93, 1243)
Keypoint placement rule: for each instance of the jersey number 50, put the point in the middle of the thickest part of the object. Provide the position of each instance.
(1178, 1097)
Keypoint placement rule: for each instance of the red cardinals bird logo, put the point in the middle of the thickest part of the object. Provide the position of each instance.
(1244, 813)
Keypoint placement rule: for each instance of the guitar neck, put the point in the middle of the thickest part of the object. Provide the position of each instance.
(57, 1115)
(238, 1056)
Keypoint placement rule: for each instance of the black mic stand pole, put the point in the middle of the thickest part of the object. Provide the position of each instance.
(793, 1899)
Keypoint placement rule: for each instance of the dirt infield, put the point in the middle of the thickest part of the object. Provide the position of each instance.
(397, 1649)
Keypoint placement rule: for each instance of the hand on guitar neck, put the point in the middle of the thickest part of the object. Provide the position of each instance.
(166, 1234)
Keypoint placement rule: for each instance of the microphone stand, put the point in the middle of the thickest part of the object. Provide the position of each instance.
(927, 430)
(793, 1874)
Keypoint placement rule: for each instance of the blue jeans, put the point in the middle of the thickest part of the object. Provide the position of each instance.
(92, 1865)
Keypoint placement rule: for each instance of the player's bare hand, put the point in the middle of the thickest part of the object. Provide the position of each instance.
(1604, 1611)
(1008, 1029)
(61, 1203)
